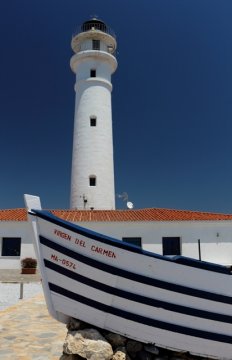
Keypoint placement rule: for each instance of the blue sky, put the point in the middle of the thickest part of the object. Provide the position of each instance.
(172, 101)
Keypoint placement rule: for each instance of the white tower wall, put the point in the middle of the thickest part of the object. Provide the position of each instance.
(93, 145)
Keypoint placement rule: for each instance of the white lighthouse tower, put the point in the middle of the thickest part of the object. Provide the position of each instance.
(92, 180)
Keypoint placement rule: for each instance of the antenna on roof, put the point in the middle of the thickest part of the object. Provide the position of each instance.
(85, 200)
(94, 16)
(129, 205)
(124, 197)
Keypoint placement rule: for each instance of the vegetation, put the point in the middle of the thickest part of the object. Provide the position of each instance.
(29, 263)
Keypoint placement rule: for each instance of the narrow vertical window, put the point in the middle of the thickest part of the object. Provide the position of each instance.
(92, 180)
(93, 73)
(93, 121)
(96, 44)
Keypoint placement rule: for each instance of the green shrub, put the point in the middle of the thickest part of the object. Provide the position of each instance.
(29, 263)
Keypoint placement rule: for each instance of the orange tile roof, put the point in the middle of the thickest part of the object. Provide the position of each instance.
(13, 215)
(120, 215)
(137, 215)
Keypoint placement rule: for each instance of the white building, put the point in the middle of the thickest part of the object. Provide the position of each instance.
(168, 232)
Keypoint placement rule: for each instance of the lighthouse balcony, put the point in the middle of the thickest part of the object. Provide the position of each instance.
(94, 35)
(89, 55)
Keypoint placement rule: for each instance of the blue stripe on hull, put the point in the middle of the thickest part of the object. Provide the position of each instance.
(136, 277)
(138, 298)
(181, 260)
(141, 319)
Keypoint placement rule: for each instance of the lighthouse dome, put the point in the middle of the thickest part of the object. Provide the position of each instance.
(94, 24)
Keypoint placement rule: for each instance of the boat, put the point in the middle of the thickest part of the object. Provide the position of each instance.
(177, 303)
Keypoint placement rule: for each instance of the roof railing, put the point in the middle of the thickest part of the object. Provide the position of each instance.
(89, 26)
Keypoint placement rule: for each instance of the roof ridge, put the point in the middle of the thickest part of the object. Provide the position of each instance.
(124, 210)
(143, 209)
(10, 209)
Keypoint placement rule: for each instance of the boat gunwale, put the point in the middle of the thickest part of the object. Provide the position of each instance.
(179, 259)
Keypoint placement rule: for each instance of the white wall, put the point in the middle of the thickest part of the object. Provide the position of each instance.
(215, 236)
(93, 146)
(16, 229)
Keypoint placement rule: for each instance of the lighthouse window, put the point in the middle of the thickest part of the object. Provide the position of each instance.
(93, 73)
(92, 181)
(96, 44)
(93, 121)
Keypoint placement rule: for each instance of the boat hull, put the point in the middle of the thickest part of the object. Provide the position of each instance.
(178, 304)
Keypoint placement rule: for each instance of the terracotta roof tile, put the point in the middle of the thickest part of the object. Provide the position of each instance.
(120, 215)
(13, 215)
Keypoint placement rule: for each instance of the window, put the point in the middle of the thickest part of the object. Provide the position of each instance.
(93, 73)
(171, 246)
(96, 44)
(93, 121)
(92, 180)
(11, 246)
(133, 240)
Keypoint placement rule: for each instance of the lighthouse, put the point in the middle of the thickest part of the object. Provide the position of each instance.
(92, 178)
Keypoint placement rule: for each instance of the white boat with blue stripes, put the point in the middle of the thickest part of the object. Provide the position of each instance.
(177, 303)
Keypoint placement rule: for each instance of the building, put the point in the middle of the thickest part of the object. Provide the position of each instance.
(168, 232)
(92, 179)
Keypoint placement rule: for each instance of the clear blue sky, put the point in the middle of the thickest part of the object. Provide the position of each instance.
(172, 100)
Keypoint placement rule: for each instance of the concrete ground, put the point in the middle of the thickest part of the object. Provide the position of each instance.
(27, 331)
(16, 276)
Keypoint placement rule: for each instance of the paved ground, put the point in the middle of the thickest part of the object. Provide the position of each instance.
(16, 276)
(27, 332)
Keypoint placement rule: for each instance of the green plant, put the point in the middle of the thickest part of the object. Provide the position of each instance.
(29, 263)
